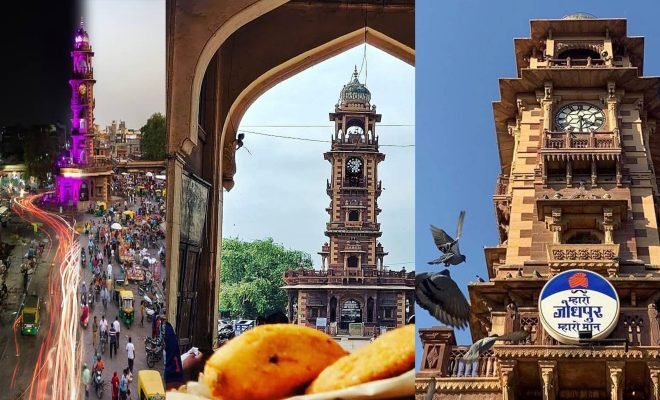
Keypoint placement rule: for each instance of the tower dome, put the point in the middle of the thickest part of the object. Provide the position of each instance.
(81, 37)
(579, 15)
(355, 93)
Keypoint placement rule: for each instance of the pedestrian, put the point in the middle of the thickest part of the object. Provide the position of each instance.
(123, 385)
(117, 326)
(115, 386)
(109, 270)
(142, 313)
(95, 329)
(130, 351)
(112, 335)
(86, 379)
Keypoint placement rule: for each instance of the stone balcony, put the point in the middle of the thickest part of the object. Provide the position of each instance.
(602, 258)
(580, 141)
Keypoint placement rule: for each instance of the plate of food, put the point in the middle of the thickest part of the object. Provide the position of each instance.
(285, 361)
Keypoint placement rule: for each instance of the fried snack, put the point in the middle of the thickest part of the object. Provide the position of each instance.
(388, 356)
(269, 362)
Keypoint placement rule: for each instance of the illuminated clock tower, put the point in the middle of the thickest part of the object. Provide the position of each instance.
(83, 176)
(82, 99)
(353, 293)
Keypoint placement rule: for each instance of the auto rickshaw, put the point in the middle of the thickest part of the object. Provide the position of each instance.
(101, 206)
(150, 385)
(30, 316)
(126, 307)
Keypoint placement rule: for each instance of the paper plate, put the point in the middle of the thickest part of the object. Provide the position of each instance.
(400, 387)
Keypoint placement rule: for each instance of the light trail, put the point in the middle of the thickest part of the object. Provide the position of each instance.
(57, 372)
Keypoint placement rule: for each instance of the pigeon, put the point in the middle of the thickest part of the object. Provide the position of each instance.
(520, 272)
(438, 294)
(480, 279)
(448, 246)
(536, 274)
(430, 391)
(483, 345)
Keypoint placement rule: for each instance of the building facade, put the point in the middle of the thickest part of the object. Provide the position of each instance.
(577, 190)
(353, 293)
(84, 174)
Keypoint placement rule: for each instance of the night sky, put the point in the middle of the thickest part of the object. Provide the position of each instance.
(35, 42)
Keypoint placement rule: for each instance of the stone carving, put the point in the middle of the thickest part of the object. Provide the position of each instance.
(583, 254)
(655, 382)
(432, 357)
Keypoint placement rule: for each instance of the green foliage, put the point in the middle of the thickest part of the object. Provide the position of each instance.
(251, 276)
(153, 142)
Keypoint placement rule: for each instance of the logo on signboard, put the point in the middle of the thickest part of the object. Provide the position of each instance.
(578, 301)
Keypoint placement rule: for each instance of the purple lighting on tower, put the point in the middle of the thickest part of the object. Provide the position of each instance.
(70, 182)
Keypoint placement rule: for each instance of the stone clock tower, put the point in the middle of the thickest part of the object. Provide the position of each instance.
(353, 293)
(83, 177)
(577, 189)
(354, 188)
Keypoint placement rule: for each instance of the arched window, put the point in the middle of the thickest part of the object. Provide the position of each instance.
(354, 215)
(352, 262)
(579, 54)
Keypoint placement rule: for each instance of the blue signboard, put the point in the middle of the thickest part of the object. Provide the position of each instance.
(577, 301)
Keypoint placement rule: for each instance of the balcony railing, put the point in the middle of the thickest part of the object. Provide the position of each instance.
(484, 366)
(576, 62)
(502, 185)
(581, 140)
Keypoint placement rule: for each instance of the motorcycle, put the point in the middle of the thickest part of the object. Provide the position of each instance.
(146, 287)
(154, 350)
(99, 383)
(84, 320)
(226, 333)
(152, 308)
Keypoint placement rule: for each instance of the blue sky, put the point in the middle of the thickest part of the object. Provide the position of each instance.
(462, 48)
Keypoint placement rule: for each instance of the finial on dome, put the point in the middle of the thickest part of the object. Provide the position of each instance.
(355, 73)
(82, 22)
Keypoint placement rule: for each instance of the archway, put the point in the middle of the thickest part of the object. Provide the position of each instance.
(351, 312)
(222, 56)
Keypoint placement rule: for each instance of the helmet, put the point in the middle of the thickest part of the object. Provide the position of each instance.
(84, 365)
(98, 357)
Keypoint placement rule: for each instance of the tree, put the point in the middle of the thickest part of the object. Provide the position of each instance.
(252, 276)
(153, 141)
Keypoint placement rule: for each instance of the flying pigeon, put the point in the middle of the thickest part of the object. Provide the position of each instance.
(483, 345)
(430, 392)
(448, 246)
(438, 294)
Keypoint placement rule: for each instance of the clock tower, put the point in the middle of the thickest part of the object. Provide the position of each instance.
(354, 187)
(353, 293)
(83, 178)
(577, 211)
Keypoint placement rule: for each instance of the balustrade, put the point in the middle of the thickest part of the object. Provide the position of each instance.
(580, 140)
(485, 366)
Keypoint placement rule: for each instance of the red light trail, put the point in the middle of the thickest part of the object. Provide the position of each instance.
(57, 372)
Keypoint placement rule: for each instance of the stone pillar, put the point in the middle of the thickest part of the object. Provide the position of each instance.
(654, 372)
(615, 380)
(507, 368)
(546, 103)
(549, 379)
(172, 236)
(653, 324)
(612, 121)
(437, 343)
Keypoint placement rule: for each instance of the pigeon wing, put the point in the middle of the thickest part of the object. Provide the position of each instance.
(440, 237)
(440, 296)
(479, 347)
(513, 336)
(459, 227)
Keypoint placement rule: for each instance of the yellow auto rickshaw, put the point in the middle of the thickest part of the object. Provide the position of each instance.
(150, 385)
(129, 215)
(30, 316)
(101, 206)
(126, 307)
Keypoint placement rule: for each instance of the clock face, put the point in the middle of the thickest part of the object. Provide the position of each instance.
(82, 89)
(579, 117)
(354, 165)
